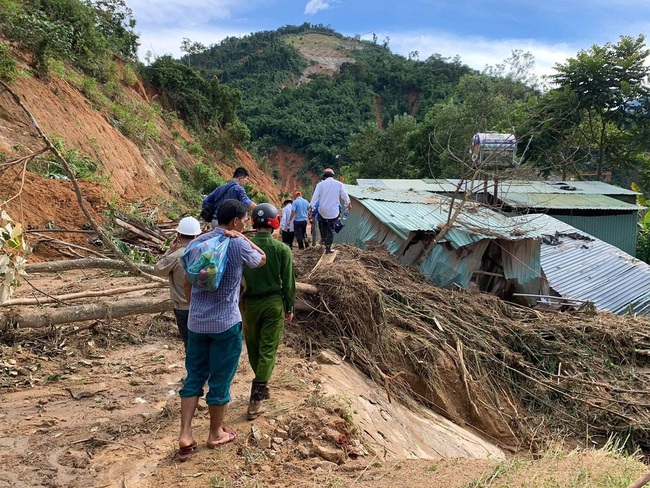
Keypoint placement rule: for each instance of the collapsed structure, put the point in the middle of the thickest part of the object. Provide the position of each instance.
(602, 210)
(444, 228)
(479, 242)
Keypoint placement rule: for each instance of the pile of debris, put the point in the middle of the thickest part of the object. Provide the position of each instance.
(513, 373)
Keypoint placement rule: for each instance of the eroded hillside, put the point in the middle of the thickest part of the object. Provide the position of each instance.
(143, 167)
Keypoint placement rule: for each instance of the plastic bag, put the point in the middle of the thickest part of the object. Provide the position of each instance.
(205, 263)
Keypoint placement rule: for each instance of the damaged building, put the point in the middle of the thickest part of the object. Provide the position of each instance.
(480, 246)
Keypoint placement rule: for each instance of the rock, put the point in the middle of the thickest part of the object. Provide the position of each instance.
(303, 451)
(256, 432)
(325, 465)
(332, 454)
(281, 433)
(278, 440)
(330, 434)
(328, 357)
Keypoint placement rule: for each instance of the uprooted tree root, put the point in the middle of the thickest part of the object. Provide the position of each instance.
(513, 373)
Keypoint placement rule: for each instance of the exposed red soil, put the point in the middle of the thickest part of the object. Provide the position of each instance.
(288, 164)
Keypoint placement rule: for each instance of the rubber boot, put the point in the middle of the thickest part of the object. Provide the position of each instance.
(255, 407)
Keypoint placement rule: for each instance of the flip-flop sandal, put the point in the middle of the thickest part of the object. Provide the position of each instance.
(184, 453)
(232, 435)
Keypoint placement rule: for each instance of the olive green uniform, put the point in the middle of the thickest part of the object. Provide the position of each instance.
(270, 294)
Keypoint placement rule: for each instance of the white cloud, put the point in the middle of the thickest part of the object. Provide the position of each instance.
(180, 13)
(478, 52)
(315, 6)
(168, 41)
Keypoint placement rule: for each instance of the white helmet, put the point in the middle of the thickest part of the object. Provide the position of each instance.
(189, 226)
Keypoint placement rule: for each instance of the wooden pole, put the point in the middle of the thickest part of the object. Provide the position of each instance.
(79, 313)
(83, 294)
(84, 263)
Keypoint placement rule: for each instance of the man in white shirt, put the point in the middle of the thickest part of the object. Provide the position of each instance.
(328, 195)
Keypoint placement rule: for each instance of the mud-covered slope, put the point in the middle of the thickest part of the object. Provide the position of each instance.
(145, 172)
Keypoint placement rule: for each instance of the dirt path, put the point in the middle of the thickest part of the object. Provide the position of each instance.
(100, 408)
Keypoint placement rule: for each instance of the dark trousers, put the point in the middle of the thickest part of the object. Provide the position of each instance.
(327, 231)
(181, 323)
(301, 234)
(287, 237)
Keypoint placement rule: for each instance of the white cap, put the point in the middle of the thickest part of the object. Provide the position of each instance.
(189, 226)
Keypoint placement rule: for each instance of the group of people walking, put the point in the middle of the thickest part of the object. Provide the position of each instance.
(322, 212)
(212, 324)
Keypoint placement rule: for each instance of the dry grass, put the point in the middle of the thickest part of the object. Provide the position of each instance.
(511, 372)
(554, 468)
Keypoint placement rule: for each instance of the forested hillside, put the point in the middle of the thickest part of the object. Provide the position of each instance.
(316, 114)
(340, 101)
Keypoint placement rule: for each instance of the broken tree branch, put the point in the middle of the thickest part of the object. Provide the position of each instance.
(105, 239)
(47, 239)
(642, 481)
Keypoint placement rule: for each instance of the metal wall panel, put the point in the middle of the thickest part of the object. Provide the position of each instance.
(617, 230)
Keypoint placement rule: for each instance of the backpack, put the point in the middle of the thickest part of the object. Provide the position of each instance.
(205, 263)
(207, 212)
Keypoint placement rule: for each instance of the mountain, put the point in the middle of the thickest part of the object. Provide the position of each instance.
(306, 89)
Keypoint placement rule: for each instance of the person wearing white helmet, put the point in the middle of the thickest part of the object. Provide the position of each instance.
(170, 266)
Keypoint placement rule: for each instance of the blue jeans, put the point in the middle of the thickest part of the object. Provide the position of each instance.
(213, 358)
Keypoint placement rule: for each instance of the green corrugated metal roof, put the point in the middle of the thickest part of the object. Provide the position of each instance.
(599, 188)
(406, 212)
(564, 201)
(505, 186)
(441, 186)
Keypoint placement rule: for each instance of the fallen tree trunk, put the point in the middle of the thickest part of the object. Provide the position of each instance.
(105, 310)
(85, 263)
(642, 481)
(83, 294)
(306, 288)
(90, 311)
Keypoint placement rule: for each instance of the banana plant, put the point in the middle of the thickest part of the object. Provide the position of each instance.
(13, 252)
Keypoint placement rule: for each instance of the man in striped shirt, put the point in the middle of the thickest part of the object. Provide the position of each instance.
(215, 332)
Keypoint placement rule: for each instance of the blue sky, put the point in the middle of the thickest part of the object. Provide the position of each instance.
(481, 32)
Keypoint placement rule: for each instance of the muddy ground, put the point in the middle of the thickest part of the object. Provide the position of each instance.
(96, 404)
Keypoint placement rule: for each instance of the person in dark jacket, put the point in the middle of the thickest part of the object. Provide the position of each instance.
(233, 190)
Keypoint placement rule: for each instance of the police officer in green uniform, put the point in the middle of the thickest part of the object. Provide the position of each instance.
(268, 302)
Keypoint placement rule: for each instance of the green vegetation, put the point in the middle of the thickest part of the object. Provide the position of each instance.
(8, 68)
(317, 118)
(596, 120)
(87, 34)
(389, 116)
(83, 167)
(608, 467)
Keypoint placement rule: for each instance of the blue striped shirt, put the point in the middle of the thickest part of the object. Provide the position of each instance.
(213, 312)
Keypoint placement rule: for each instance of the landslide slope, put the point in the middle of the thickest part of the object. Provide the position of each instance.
(142, 157)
